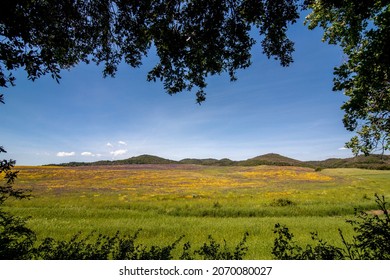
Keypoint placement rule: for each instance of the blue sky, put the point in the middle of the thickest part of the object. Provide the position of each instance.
(291, 111)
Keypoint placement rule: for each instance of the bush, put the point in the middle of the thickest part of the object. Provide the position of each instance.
(371, 242)
(125, 248)
(215, 251)
(282, 202)
(285, 248)
(104, 247)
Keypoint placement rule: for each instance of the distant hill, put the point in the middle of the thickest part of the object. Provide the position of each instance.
(271, 159)
(367, 162)
(145, 159)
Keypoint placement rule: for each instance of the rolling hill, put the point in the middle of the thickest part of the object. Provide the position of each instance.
(367, 162)
(271, 159)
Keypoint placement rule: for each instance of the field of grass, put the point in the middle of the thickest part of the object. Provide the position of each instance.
(167, 201)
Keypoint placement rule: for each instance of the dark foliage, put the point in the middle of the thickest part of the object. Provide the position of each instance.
(103, 247)
(285, 248)
(119, 247)
(215, 251)
(283, 202)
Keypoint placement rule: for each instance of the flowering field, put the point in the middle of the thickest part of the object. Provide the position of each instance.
(167, 201)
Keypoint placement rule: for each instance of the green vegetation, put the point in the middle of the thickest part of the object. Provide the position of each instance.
(169, 201)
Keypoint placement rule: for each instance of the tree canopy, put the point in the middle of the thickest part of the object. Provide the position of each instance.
(362, 29)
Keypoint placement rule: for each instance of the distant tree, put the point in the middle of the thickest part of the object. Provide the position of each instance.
(193, 39)
(362, 29)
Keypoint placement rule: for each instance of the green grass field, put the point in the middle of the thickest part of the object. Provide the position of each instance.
(167, 201)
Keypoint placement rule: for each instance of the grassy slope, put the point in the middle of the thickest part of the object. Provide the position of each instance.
(171, 200)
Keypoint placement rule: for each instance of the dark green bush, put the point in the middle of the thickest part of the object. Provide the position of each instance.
(119, 247)
(212, 250)
(285, 248)
(282, 202)
(103, 247)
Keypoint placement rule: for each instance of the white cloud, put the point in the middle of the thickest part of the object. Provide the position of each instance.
(342, 148)
(65, 154)
(87, 154)
(122, 143)
(118, 152)
(109, 144)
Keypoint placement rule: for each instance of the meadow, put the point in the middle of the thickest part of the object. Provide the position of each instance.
(167, 201)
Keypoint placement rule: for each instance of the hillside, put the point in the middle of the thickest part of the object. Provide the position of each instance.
(367, 162)
(145, 159)
(271, 159)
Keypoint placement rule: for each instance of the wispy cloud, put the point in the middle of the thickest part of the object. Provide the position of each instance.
(122, 143)
(118, 152)
(65, 154)
(109, 144)
(342, 149)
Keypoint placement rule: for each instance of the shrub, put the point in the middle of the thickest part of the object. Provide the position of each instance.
(285, 248)
(282, 202)
(125, 248)
(104, 247)
(215, 251)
